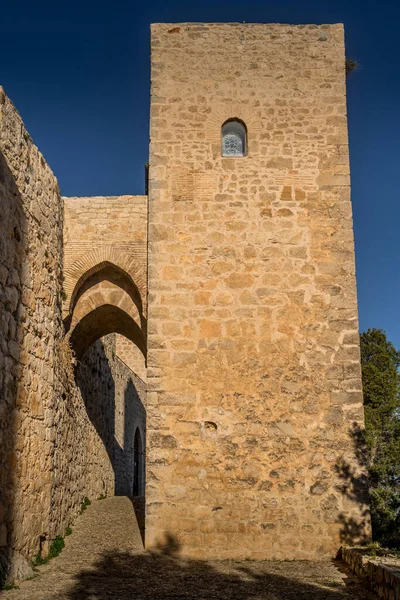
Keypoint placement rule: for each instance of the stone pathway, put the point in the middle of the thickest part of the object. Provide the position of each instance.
(104, 559)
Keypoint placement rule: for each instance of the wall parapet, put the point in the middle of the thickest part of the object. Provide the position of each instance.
(381, 573)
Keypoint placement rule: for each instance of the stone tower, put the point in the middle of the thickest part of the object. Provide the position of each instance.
(254, 403)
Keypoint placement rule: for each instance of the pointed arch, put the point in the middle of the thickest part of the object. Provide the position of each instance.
(101, 321)
(91, 262)
(101, 294)
(103, 276)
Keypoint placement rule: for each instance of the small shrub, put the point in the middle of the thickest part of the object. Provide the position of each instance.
(10, 586)
(56, 546)
(101, 497)
(374, 549)
(68, 531)
(85, 503)
(40, 560)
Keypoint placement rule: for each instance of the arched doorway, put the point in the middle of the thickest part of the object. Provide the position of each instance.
(106, 327)
(138, 465)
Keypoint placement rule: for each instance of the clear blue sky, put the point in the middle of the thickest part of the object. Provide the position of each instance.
(78, 72)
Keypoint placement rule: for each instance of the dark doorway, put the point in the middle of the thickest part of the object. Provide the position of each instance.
(138, 478)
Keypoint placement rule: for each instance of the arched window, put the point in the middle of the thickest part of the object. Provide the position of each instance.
(234, 138)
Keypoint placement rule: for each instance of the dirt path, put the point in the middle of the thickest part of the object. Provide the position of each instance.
(104, 559)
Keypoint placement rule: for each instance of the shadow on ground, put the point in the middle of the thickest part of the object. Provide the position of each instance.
(163, 575)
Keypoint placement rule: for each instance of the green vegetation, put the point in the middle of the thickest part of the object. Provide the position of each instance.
(101, 497)
(39, 560)
(374, 549)
(84, 504)
(56, 547)
(381, 386)
(9, 586)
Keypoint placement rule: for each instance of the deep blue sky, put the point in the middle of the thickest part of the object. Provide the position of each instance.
(78, 72)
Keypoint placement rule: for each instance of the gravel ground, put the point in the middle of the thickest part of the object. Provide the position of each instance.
(104, 559)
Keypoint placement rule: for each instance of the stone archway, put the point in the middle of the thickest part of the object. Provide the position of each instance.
(109, 298)
(77, 273)
(102, 321)
(101, 273)
(104, 314)
(105, 300)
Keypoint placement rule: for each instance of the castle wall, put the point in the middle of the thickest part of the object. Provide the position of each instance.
(30, 327)
(105, 250)
(254, 405)
(65, 433)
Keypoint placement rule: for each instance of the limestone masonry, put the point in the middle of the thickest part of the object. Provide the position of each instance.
(219, 313)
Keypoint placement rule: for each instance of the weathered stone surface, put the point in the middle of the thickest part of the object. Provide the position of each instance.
(61, 437)
(251, 266)
(104, 230)
(30, 284)
(105, 258)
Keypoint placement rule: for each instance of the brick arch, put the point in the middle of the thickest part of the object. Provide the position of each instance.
(230, 110)
(101, 294)
(101, 321)
(105, 276)
(77, 273)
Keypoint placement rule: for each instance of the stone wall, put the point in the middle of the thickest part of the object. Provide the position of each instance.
(105, 269)
(93, 450)
(131, 356)
(382, 574)
(255, 416)
(30, 326)
(105, 251)
(66, 429)
(105, 229)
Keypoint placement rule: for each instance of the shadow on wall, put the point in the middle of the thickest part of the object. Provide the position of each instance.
(164, 575)
(13, 257)
(353, 484)
(115, 408)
